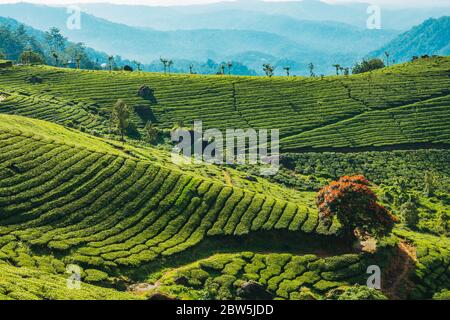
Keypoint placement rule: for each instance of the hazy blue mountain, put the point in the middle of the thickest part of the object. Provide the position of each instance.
(196, 16)
(432, 37)
(146, 44)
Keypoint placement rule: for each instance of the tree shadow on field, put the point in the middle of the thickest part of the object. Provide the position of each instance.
(263, 242)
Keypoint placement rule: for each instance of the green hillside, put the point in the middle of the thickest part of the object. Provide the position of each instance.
(408, 99)
(138, 224)
(426, 38)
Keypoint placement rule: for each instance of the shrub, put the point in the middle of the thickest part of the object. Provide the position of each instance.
(410, 214)
(443, 295)
(93, 275)
(355, 205)
(356, 292)
(30, 57)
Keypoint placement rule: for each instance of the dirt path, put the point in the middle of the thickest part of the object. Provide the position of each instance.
(142, 288)
(397, 275)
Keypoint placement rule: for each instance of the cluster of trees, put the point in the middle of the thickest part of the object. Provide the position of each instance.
(121, 123)
(28, 46)
(210, 66)
(15, 40)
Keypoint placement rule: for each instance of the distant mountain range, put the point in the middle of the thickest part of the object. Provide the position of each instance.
(432, 37)
(273, 39)
(251, 32)
(242, 13)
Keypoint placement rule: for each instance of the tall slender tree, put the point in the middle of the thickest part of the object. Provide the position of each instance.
(111, 62)
(387, 54)
(120, 117)
(169, 64)
(164, 61)
(288, 71)
(268, 69)
(311, 69)
(56, 57)
(78, 61)
(137, 64)
(338, 67)
(230, 66)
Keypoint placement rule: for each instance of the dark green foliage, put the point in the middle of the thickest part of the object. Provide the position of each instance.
(30, 57)
(409, 214)
(368, 65)
(356, 293)
(120, 117)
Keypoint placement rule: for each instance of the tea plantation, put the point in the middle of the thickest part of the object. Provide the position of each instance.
(401, 105)
(139, 225)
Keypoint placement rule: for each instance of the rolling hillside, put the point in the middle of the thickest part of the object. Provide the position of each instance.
(311, 113)
(70, 198)
(138, 224)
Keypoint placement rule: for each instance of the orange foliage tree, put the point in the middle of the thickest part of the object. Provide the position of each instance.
(355, 206)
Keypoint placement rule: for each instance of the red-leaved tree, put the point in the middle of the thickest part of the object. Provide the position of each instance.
(355, 205)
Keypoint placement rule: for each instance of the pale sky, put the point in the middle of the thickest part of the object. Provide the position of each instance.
(405, 3)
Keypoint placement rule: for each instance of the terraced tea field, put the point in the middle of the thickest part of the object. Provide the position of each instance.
(137, 224)
(401, 105)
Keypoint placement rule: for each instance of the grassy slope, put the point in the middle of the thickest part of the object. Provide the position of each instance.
(285, 274)
(76, 196)
(310, 113)
(22, 283)
(69, 197)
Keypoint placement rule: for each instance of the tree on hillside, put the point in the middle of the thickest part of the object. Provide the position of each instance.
(169, 64)
(56, 42)
(137, 64)
(268, 69)
(76, 52)
(338, 67)
(151, 133)
(230, 66)
(368, 65)
(288, 71)
(120, 117)
(429, 184)
(55, 39)
(355, 206)
(346, 71)
(311, 69)
(30, 57)
(409, 213)
(221, 69)
(164, 62)
(78, 61)
(111, 62)
(191, 68)
(56, 57)
(387, 54)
